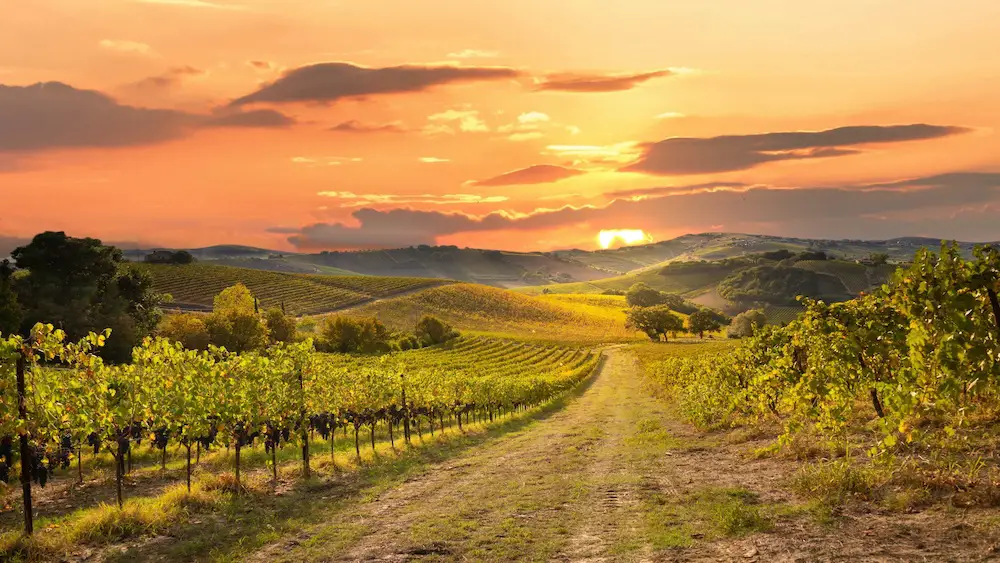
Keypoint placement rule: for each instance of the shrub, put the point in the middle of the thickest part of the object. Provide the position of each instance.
(746, 323)
(431, 330)
(280, 327)
(187, 328)
(346, 334)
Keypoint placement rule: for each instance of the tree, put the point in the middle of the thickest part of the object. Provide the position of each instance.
(657, 321)
(10, 310)
(187, 328)
(168, 257)
(80, 286)
(746, 323)
(345, 334)
(878, 258)
(235, 322)
(237, 332)
(431, 330)
(235, 299)
(280, 327)
(641, 295)
(702, 321)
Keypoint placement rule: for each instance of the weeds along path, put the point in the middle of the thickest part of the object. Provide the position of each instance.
(613, 476)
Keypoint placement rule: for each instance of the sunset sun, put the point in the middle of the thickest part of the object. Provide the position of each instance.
(626, 237)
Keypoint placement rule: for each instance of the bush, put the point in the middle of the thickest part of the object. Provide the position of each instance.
(746, 323)
(237, 332)
(431, 330)
(280, 327)
(187, 328)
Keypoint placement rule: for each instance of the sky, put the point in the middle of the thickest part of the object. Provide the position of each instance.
(307, 125)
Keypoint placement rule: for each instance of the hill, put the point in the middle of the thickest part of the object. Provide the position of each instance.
(484, 309)
(194, 286)
(748, 281)
(529, 269)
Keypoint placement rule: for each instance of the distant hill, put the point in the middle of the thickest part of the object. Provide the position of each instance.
(613, 267)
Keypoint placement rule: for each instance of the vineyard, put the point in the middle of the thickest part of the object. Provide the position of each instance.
(480, 308)
(67, 404)
(908, 373)
(301, 294)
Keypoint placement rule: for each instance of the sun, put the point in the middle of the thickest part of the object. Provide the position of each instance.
(606, 238)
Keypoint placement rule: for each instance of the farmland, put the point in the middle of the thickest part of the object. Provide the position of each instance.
(195, 285)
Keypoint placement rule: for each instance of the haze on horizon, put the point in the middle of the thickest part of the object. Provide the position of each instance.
(322, 124)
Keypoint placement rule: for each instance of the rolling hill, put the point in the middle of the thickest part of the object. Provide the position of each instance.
(613, 267)
(484, 309)
(194, 286)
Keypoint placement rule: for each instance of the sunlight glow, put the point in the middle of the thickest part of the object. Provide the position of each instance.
(606, 238)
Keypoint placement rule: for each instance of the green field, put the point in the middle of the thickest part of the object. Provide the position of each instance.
(196, 285)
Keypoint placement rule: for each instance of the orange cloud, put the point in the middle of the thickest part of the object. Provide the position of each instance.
(538, 174)
(570, 82)
(329, 82)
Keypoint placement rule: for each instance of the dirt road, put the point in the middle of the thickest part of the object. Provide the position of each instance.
(615, 477)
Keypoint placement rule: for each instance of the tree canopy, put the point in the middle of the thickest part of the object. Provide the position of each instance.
(80, 285)
(703, 321)
(657, 321)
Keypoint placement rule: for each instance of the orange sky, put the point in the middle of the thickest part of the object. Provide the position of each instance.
(584, 87)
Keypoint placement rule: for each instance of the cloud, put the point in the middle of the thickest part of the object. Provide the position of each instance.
(259, 118)
(129, 47)
(670, 115)
(570, 82)
(261, 65)
(538, 174)
(351, 199)
(466, 121)
(325, 160)
(473, 54)
(329, 82)
(195, 4)
(433, 160)
(55, 115)
(533, 117)
(945, 205)
(683, 155)
(355, 126)
(169, 79)
(532, 125)
(643, 193)
(596, 155)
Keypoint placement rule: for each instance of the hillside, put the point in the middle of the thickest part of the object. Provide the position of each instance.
(479, 308)
(527, 269)
(194, 286)
(736, 284)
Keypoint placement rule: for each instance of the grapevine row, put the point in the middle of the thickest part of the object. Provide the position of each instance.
(71, 400)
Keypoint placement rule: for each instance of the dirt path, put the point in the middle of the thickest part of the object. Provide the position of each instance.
(614, 477)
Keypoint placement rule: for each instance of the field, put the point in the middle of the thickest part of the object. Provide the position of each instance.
(195, 286)
(483, 309)
(545, 432)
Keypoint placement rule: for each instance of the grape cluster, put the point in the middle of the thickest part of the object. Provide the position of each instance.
(6, 458)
